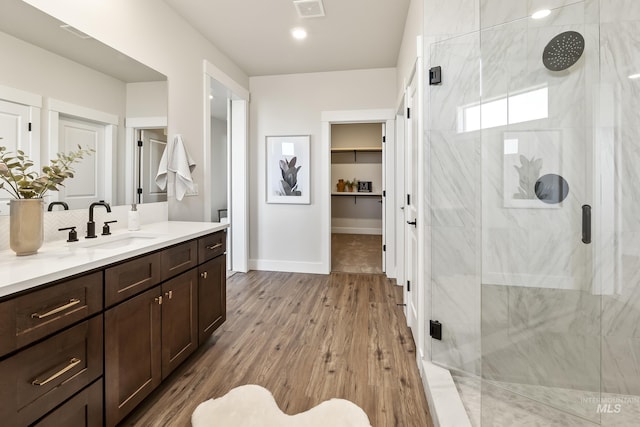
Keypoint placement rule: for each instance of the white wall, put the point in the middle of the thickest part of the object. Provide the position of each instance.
(289, 237)
(408, 49)
(147, 99)
(152, 33)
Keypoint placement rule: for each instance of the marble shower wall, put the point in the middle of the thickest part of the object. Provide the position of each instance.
(620, 121)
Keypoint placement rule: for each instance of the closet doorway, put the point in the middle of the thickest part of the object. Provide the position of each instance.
(357, 203)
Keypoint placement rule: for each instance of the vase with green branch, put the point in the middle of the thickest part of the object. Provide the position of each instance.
(27, 187)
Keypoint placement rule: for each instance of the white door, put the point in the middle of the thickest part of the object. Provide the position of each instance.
(88, 183)
(154, 142)
(384, 199)
(411, 211)
(16, 135)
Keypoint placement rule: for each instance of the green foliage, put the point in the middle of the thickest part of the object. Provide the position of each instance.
(22, 182)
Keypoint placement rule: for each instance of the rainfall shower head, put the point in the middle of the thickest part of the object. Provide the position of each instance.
(563, 51)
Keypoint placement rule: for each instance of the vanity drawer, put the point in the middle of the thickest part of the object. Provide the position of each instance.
(211, 246)
(179, 258)
(131, 277)
(39, 378)
(82, 410)
(33, 316)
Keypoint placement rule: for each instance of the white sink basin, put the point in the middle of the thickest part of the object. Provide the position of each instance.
(114, 242)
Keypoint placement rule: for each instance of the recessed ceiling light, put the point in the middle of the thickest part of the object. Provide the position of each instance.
(299, 33)
(541, 14)
(634, 76)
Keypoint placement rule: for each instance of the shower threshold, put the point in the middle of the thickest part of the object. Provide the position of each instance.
(496, 404)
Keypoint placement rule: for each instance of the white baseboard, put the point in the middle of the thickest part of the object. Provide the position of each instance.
(356, 230)
(288, 266)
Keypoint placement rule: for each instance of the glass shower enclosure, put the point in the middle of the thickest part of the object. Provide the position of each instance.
(535, 235)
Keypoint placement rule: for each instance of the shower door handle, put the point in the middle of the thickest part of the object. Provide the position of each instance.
(586, 224)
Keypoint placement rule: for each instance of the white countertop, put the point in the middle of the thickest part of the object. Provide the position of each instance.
(57, 260)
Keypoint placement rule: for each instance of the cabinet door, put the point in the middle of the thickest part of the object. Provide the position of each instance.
(212, 296)
(132, 353)
(82, 410)
(179, 320)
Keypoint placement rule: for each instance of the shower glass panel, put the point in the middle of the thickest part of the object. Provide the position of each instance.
(455, 203)
(540, 304)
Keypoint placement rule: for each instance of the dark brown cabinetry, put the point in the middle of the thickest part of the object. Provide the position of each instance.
(132, 353)
(82, 410)
(179, 320)
(212, 297)
(150, 334)
(136, 320)
(39, 378)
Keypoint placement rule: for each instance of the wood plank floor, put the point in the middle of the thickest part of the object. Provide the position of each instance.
(306, 338)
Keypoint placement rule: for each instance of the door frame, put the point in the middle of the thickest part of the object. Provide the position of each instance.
(327, 118)
(238, 173)
(132, 125)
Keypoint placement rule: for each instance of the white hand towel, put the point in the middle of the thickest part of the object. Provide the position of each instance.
(182, 164)
(161, 176)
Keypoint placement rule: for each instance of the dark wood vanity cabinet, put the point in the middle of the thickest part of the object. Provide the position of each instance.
(132, 341)
(151, 334)
(179, 320)
(212, 296)
(57, 332)
(87, 350)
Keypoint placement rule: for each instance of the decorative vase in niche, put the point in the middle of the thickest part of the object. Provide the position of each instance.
(341, 185)
(26, 225)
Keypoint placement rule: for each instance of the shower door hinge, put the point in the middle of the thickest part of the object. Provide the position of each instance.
(408, 285)
(139, 143)
(384, 139)
(435, 75)
(139, 190)
(435, 330)
(408, 199)
(408, 113)
(384, 193)
(384, 248)
(29, 128)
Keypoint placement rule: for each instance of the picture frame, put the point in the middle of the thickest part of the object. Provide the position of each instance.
(288, 169)
(528, 155)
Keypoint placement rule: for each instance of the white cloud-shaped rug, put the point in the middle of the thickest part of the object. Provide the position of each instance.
(252, 405)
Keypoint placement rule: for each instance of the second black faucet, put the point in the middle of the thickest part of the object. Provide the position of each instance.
(91, 226)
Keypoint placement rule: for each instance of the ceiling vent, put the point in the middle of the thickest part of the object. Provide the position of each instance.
(309, 8)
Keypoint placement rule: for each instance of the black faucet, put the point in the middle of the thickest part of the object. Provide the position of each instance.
(91, 226)
(52, 204)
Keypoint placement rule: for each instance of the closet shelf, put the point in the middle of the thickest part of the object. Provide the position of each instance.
(356, 149)
(355, 193)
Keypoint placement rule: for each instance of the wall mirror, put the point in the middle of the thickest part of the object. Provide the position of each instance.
(60, 87)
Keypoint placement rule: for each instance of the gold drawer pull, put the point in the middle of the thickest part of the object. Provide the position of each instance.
(72, 363)
(71, 303)
(214, 247)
